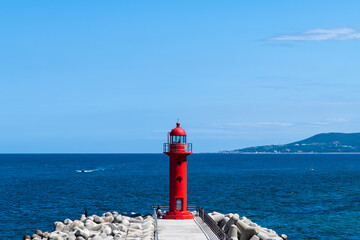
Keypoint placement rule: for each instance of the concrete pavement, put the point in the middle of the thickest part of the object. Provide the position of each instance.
(180, 230)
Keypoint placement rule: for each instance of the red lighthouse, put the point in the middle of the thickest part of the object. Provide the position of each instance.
(177, 149)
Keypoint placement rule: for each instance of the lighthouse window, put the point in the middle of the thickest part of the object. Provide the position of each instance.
(178, 139)
(179, 204)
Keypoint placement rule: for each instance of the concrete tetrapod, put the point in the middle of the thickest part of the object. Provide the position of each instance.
(233, 232)
(254, 238)
(217, 217)
(223, 222)
(246, 231)
(233, 219)
(108, 226)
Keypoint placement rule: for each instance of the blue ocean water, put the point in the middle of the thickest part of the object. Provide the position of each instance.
(314, 196)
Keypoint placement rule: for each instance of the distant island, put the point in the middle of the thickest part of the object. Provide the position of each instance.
(320, 143)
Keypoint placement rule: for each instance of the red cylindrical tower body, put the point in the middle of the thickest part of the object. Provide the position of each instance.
(178, 149)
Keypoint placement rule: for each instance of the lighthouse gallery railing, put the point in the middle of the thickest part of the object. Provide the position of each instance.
(178, 147)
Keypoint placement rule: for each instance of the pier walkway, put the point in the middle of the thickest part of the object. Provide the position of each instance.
(183, 230)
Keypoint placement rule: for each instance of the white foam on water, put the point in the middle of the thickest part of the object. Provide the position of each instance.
(93, 170)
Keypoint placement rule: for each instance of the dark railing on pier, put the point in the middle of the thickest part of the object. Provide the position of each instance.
(212, 224)
(178, 147)
(156, 224)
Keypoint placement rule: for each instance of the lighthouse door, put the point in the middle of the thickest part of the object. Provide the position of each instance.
(179, 204)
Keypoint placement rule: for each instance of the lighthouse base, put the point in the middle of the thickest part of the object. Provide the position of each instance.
(178, 215)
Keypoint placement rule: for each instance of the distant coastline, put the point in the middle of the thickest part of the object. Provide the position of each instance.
(324, 143)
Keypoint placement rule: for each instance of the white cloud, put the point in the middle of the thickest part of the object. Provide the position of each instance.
(329, 121)
(319, 123)
(336, 120)
(321, 35)
(263, 124)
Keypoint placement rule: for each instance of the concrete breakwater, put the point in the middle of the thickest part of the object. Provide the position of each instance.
(108, 226)
(132, 227)
(243, 228)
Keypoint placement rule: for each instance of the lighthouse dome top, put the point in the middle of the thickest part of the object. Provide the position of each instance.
(178, 131)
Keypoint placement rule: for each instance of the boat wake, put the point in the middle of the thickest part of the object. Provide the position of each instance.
(92, 170)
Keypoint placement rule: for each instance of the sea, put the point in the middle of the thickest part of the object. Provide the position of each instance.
(305, 196)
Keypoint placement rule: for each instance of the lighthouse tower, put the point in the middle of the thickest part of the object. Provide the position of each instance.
(177, 149)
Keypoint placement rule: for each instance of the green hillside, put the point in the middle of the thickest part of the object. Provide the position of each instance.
(320, 143)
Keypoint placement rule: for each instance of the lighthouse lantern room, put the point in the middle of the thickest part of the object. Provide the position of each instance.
(177, 149)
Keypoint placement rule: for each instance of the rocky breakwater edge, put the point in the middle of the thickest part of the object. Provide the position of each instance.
(243, 228)
(108, 226)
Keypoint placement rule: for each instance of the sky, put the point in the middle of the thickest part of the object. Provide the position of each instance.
(115, 76)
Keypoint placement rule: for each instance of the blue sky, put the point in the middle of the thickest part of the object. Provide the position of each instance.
(114, 76)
